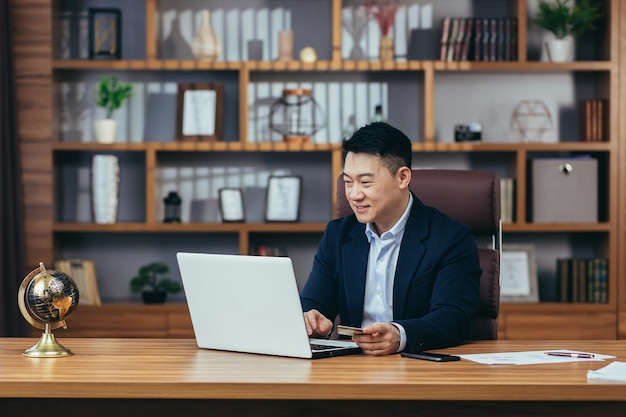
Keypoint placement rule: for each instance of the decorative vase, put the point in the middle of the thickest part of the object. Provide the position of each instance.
(385, 50)
(104, 130)
(355, 28)
(105, 181)
(285, 45)
(205, 44)
(560, 50)
(175, 46)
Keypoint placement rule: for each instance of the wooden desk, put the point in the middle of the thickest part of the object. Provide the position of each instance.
(155, 377)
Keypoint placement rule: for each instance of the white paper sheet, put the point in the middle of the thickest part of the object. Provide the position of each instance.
(615, 371)
(531, 357)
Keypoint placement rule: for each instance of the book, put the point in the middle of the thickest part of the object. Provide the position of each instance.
(454, 32)
(458, 42)
(445, 33)
(478, 39)
(563, 279)
(486, 40)
(513, 43)
(592, 117)
(493, 40)
(467, 39)
(83, 273)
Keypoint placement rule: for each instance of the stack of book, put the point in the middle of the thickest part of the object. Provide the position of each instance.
(593, 120)
(83, 273)
(478, 39)
(582, 280)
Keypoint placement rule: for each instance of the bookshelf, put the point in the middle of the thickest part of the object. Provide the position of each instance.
(421, 97)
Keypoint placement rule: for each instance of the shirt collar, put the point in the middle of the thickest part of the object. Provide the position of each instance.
(397, 231)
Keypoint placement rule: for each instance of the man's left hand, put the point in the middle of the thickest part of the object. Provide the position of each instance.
(379, 339)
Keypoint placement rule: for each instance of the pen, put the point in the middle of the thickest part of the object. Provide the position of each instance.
(571, 354)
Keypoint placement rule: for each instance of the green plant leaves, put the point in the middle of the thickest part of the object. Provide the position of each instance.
(148, 278)
(558, 18)
(111, 94)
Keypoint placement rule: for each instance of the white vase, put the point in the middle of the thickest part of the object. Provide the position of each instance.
(560, 50)
(205, 44)
(104, 187)
(104, 130)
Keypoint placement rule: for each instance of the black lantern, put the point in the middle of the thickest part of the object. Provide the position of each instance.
(172, 208)
(296, 115)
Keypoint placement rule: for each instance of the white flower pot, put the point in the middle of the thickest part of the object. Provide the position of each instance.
(104, 130)
(560, 50)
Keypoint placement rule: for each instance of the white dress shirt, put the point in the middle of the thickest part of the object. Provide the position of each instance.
(381, 271)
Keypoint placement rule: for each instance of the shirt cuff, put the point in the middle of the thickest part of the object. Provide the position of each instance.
(402, 336)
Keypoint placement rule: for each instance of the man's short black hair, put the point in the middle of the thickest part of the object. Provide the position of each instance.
(382, 140)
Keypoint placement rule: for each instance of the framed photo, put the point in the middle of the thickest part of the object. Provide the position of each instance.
(282, 203)
(518, 274)
(231, 205)
(199, 111)
(105, 33)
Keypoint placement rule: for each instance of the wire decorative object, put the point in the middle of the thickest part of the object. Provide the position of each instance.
(296, 115)
(531, 119)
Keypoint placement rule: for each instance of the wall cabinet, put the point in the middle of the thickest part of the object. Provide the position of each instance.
(425, 98)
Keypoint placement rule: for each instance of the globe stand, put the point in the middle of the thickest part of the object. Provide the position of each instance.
(45, 298)
(47, 347)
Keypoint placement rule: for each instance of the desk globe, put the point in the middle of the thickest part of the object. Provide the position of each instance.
(46, 298)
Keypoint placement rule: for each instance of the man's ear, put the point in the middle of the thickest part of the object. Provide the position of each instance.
(404, 177)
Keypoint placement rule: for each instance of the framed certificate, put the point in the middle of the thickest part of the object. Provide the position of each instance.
(282, 203)
(231, 205)
(518, 274)
(199, 111)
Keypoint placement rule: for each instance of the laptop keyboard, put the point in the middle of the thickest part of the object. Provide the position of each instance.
(317, 346)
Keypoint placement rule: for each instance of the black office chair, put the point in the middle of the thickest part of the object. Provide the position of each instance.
(472, 198)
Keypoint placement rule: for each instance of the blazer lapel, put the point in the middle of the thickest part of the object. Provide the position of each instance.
(354, 255)
(411, 253)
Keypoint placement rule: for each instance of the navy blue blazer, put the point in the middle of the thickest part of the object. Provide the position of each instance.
(437, 282)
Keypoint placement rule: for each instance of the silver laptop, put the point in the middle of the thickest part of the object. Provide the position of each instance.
(250, 304)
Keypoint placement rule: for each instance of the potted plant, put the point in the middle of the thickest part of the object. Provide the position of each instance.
(153, 287)
(566, 23)
(110, 95)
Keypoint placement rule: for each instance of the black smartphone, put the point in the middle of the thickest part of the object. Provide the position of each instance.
(428, 356)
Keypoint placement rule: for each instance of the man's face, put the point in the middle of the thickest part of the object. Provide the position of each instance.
(374, 194)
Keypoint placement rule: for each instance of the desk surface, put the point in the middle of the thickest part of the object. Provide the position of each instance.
(177, 369)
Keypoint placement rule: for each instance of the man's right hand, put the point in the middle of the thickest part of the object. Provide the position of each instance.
(316, 324)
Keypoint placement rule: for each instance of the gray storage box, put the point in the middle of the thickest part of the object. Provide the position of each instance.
(565, 190)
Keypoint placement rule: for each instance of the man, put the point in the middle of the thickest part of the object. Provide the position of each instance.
(405, 272)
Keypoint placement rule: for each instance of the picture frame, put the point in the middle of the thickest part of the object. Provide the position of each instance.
(199, 112)
(282, 202)
(105, 33)
(231, 205)
(518, 274)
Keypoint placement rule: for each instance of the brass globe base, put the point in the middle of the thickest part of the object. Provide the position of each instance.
(47, 347)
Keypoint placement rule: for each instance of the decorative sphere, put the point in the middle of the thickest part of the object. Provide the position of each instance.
(308, 55)
(50, 296)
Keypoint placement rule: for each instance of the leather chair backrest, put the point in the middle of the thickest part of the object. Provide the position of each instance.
(472, 198)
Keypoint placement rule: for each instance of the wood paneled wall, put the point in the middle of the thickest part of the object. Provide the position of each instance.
(31, 29)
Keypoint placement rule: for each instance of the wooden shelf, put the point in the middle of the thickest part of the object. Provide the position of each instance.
(189, 227)
(155, 65)
(329, 147)
(198, 147)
